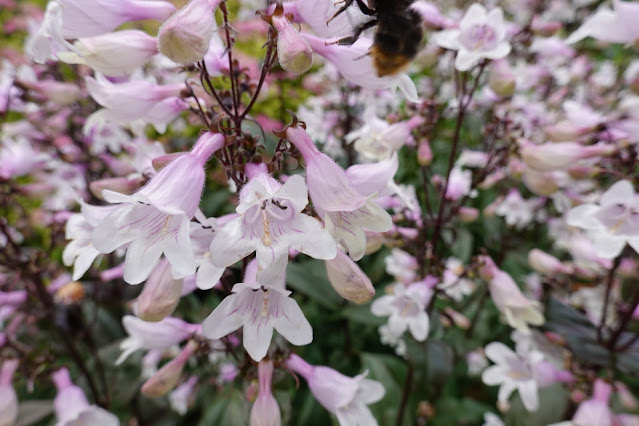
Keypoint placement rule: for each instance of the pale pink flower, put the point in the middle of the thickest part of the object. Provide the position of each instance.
(617, 26)
(480, 35)
(560, 155)
(113, 54)
(8, 397)
(72, 407)
(343, 396)
(513, 371)
(153, 335)
(613, 222)
(348, 280)
(594, 411)
(406, 309)
(156, 218)
(259, 310)
(401, 265)
(181, 397)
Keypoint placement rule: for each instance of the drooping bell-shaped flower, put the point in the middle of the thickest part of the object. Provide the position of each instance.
(270, 221)
(153, 335)
(265, 411)
(616, 26)
(259, 310)
(348, 280)
(165, 379)
(293, 52)
(160, 295)
(344, 209)
(72, 407)
(346, 397)
(114, 54)
(185, 37)
(560, 155)
(156, 219)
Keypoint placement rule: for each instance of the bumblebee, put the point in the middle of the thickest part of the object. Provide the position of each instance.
(398, 33)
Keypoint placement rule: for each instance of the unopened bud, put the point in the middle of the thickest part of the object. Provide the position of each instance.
(556, 156)
(544, 29)
(118, 184)
(167, 377)
(492, 179)
(501, 79)
(545, 263)
(161, 294)
(424, 153)
(563, 131)
(69, 293)
(293, 52)
(468, 214)
(348, 280)
(185, 37)
(459, 319)
(540, 183)
(265, 411)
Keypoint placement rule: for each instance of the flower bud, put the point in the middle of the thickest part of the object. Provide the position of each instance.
(459, 319)
(546, 264)
(293, 52)
(501, 79)
(563, 131)
(69, 293)
(540, 183)
(184, 38)
(348, 280)
(167, 377)
(182, 396)
(424, 153)
(544, 29)
(161, 294)
(556, 156)
(265, 411)
(467, 214)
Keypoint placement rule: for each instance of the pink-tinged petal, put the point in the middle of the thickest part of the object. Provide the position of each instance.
(495, 20)
(475, 15)
(372, 178)
(382, 306)
(114, 231)
(257, 339)
(331, 388)
(292, 324)
(601, 25)
(317, 14)
(231, 244)
(583, 216)
(295, 190)
(499, 353)
(501, 51)
(448, 39)
(225, 319)
(208, 275)
(355, 415)
(83, 262)
(419, 326)
(320, 246)
(179, 253)
(465, 59)
(370, 391)
(397, 324)
(621, 192)
(505, 390)
(494, 375)
(140, 260)
(528, 394)
(607, 245)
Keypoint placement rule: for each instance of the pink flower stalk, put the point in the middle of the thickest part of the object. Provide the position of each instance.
(265, 411)
(293, 52)
(156, 219)
(185, 37)
(113, 54)
(153, 335)
(160, 295)
(346, 212)
(17, 297)
(356, 66)
(167, 377)
(481, 34)
(348, 280)
(259, 310)
(86, 19)
(8, 397)
(343, 396)
(72, 407)
(182, 396)
(269, 221)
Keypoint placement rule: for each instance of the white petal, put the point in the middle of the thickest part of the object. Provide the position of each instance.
(607, 245)
(224, 319)
(140, 260)
(257, 339)
(311, 238)
(84, 261)
(505, 390)
(230, 244)
(419, 326)
(493, 375)
(475, 15)
(292, 324)
(179, 253)
(619, 193)
(528, 394)
(499, 353)
(583, 216)
(465, 60)
(208, 275)
(382, 306)
(370, 391)
(112, 233)
(501, 51)
(294, 189)
(448, 39)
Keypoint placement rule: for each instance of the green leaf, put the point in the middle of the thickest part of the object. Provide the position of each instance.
(462, 247)
(309, 278)
(553, 402)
